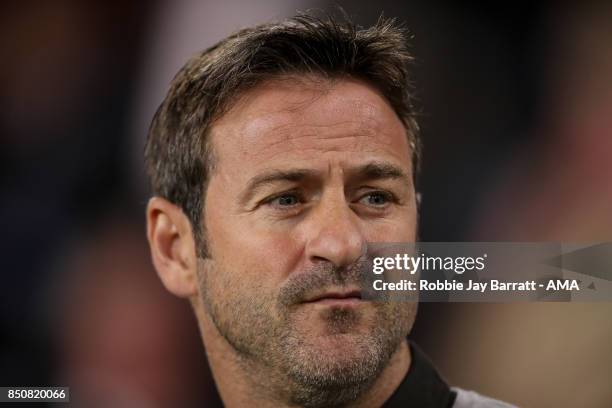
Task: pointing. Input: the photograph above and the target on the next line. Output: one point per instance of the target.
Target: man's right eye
(284, 201)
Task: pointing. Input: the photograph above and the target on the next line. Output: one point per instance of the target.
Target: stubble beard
(289, 364)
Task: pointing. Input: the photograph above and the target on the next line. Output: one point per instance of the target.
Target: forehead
(291, 120)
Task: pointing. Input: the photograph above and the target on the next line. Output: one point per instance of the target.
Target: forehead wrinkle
(362, 113)
(313, 152)
(292, 135)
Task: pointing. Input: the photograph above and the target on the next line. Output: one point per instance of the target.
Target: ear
(172, 246)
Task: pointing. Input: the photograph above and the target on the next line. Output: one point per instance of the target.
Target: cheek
(408, 230)
(401, 228)
(255, 255)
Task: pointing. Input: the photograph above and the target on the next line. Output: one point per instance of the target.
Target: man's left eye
(376, 199)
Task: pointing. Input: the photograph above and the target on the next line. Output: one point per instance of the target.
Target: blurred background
(516, 104)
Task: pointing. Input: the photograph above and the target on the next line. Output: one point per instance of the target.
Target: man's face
(307, 172)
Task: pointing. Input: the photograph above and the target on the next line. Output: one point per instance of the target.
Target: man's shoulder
(471, 399)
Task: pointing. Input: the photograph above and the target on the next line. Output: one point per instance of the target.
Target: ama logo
(562, 284)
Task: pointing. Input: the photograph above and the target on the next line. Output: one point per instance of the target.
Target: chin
(337, 360)
(339, 348)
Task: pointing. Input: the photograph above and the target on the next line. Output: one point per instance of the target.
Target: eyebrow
(272, 177)
(378, 171)
(370, 171)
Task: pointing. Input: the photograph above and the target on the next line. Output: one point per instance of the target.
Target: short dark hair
(179, 160)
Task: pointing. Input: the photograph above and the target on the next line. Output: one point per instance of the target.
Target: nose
(333, 234)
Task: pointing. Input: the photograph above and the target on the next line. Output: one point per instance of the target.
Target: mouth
(346, 298)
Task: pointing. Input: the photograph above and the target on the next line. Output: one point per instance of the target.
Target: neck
(241, 384)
